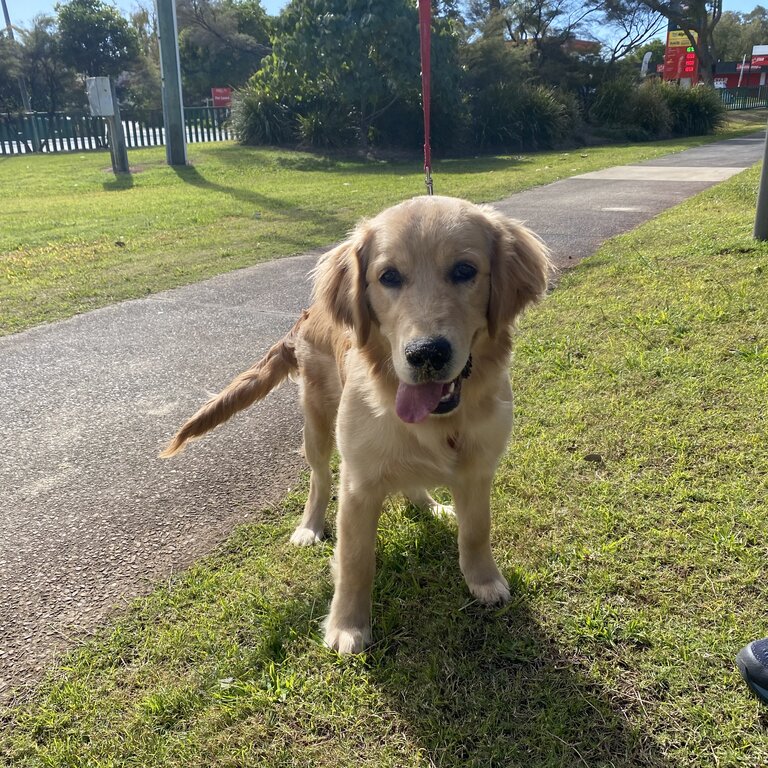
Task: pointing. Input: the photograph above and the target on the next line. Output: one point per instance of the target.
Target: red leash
(425, 22)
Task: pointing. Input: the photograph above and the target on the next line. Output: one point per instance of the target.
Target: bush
(694, 111)
(657, 109)
(612, 104)
(650, 112)
(325, 125)
(509, 116)
(258, 117)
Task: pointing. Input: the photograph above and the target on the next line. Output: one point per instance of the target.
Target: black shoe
(752, 661)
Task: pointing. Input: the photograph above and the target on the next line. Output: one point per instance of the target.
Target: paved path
(90, 518)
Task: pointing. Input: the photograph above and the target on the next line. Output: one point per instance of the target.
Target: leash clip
(428, 179)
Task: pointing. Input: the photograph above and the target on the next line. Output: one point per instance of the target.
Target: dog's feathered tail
(251, 385)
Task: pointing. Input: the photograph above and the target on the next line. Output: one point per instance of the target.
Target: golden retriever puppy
(404, 353)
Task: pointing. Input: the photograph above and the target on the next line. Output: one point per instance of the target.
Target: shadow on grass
(326, 226)
(121, 181)
(483, 687)
(190, 175)
(399, 164)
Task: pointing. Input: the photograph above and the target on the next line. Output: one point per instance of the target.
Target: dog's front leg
(471, 499)
(348, 626)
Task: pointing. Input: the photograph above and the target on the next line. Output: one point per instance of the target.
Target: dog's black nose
(431, 352)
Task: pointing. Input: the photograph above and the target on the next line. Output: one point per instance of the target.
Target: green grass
(76, 238)
(630, 519)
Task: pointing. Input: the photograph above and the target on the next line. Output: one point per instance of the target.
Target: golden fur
(402, 310)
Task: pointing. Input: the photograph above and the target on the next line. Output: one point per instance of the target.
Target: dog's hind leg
(318, 445)
(422, 499)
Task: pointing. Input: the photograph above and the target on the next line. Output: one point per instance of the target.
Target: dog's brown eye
(391, 278)
(463, 272)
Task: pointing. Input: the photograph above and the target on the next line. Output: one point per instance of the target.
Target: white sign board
(99, 93)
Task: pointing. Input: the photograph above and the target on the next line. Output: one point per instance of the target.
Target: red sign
(759, 61)
(681, 63)
(222, 97)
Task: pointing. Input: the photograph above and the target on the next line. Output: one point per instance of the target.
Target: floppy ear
(340, 287)
(520, 267)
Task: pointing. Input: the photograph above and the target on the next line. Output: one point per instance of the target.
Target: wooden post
(117, 146)
(102, 100)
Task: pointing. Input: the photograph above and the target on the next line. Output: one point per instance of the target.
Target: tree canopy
(95, 39)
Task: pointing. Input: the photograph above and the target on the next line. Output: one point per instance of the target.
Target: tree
(626, 26)
(737, 33)
(532, 21)
(353, 56)
(95, 39)
(546, 31)
(221, 42)
(139, 88)
(698, 19)
(53, 85)
(630, 64)
(10, 70)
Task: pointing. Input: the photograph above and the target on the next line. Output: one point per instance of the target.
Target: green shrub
(259, 118)
(650, 112)
(657, 109)
(694, 111)
(325, 125)
(510, 116)
(613, 101)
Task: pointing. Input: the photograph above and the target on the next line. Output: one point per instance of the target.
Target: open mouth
(414, 402)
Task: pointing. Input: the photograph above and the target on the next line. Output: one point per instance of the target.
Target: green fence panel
(71, 132)
(744, 98)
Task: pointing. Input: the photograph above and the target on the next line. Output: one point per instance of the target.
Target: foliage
(53, 85)
(10, 70)
(221, 43)
(139, 88)
(633, 25)
(350, 74)
(612, 104)
(359, 54)
(513, 117)
(651, 110)
(694, 111)
(737, 33)
(95, 39)
(658, 109)
(322, 124)
(699, 18)
(629, 67)
(259, 117)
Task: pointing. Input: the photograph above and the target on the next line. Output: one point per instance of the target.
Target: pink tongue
(414, 402)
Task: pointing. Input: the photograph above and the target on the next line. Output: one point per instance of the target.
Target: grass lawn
(630, 519)
(75, 238)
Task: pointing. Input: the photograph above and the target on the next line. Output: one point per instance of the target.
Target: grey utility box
(99, 92)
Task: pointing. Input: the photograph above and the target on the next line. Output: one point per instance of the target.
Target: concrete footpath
(90, 518)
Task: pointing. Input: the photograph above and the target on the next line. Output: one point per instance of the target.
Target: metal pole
(741, 71)
(22, 84)
(761, 216)
(27, 104)
(170, 73)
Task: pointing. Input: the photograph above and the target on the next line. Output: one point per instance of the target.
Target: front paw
(491, 592)
(346, 639)
(305, 537)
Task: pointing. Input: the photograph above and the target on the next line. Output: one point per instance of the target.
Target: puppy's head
(426, 279)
